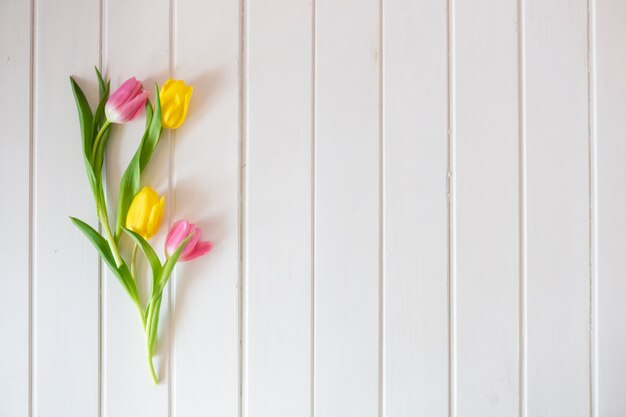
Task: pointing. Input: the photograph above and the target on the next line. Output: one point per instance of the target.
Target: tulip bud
(177, 235)
(126, 103)
(175, 96)
(145, 213)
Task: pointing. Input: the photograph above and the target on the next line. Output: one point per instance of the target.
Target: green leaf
(100, 152)
(148, 114)
(168, 267)
(152, 134)
(101, 83)
(151, 256)
(98, 241)
(85, 117)
(153, 322)
(102, 246)
(129, 187)
(131, 180)
(98, 118)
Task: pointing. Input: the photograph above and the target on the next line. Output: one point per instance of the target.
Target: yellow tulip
(145, 213)
(175, 96)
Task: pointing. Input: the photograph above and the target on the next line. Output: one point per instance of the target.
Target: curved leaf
(99, 159)
(153, 133)
(102, 246)
(151, 256)
(131, 180)
(98, 117)
(85, 117)
(129, 187)
(101, 83)
(149, 112)
(168, 267)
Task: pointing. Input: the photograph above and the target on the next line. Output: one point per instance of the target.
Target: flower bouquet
(139, 211)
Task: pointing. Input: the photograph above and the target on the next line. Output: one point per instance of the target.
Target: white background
(418, 209)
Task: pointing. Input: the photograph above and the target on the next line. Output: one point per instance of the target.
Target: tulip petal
(156, 215)
(167, 85)
(175, 96)
(200, 249)
(140, 211)
(177, 234)
(131, 109)
(126, 91)
(126, 102)
(196, 234)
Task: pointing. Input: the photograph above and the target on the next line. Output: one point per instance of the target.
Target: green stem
(149, 346)
(155, 380)
(132, 262)
(104, 221)
(98, 138)
(141, 315)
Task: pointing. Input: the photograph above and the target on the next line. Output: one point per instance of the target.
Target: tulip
(126, 103)
(194, 247)
(175, 96)
(145, 213)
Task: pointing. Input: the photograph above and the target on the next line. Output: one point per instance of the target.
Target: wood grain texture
(558, 208)
(278, 276)
(486, 180)
(415, 105)
(205, 152)
(15, 154)
(65, 265)
(347, 208)
(137, 47)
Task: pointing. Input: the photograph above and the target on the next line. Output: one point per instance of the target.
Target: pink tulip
(127, 102)
(177, 235)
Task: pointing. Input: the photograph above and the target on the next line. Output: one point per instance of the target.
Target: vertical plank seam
(313, 191)
(451, 213)
(242, 205)
(593, 273)
(381, 222)
(102, 290)
(521, 74)
(171, 367)
(31, 184)
(99, 260)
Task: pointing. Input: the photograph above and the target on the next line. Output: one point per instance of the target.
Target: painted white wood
(205, 332)
(486, 197)
(341, 185)
(415, 54)
(136, 42)
(347, 209)
(557, 160)
(278, 276)
(610, 222)
(65, 266)
(15, 41)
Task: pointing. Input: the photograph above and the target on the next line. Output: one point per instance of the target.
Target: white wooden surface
(417, 208)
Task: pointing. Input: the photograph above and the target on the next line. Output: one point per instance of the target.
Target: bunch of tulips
(139, 211)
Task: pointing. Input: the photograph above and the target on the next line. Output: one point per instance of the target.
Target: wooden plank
(416, 220)
(278, 286)
(611, 205)
(138, 47)
(205, 349)
(558, 208)
(15, 110)
(65, 272)
(487, 208)
(347, 208)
